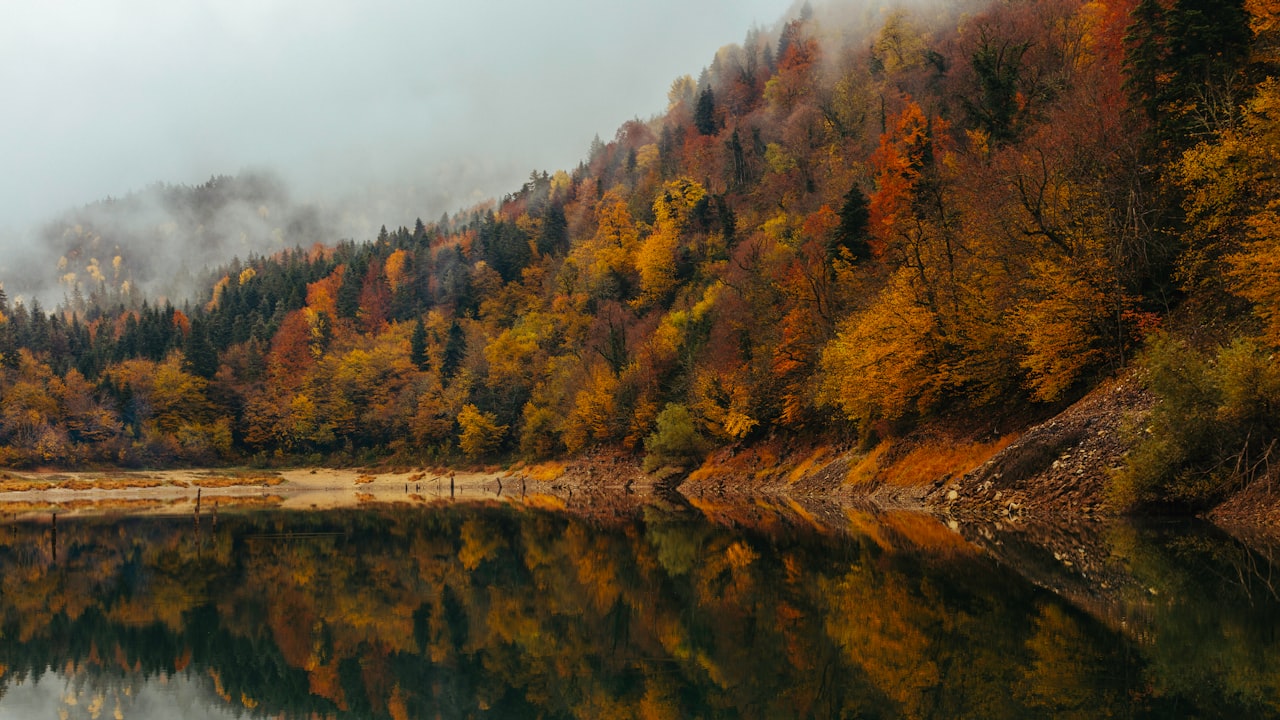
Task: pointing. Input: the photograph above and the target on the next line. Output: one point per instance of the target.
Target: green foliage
(418, 345)
(998, 65)
(704, 115)
(1215, 426)
(675, 442)
(852, 233)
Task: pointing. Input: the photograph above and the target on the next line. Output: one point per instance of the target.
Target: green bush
(1214, 428)
(675, 442)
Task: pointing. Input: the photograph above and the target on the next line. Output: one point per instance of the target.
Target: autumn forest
(850, 227)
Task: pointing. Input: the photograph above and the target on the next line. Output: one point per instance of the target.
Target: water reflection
(507, 610)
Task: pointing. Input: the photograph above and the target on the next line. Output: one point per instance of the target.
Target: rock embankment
(1057, 468)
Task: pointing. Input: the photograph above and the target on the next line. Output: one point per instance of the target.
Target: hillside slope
(867, 226)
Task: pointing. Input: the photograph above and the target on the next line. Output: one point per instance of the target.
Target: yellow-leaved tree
(880, 363)
(1255, 268)
(606, 260)
(479, 433)
(658, 255)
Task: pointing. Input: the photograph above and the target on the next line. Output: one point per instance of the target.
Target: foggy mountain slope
(375, 112)
(167, 234)
(158, 240)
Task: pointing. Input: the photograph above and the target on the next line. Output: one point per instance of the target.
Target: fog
(59, 695)
(408, 109)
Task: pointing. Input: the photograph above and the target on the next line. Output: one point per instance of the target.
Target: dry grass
(931, 461)
(63, 483)
(805, 466)
(759, 463)
(545, 472)
(867, 468)
(16, 485)
(214, 480)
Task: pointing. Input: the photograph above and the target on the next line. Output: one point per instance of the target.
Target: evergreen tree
(553, 238)
(199, 357)
(508, 247)
(455, 348)
(1208, 41)
(1207, 48)
(853, 231)
(348, 300)
(1146, 53)
(704, 115)
(998, 65)
(418, 345)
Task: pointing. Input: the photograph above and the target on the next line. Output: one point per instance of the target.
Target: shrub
(1214, 428)
(675, 441)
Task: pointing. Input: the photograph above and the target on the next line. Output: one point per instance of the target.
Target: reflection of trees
(470, 610)
(1209, 604)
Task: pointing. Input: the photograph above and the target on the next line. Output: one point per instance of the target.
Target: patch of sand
(177, 492)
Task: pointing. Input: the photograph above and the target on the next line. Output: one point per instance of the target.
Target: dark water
(509, 611)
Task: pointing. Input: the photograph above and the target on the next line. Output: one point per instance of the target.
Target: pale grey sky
(101, 97)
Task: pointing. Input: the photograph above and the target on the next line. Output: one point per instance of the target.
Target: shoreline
(1055, 471)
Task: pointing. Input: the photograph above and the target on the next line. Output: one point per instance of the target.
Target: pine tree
(553, 237)
(199, 356)
(998, 65)
(455, 347)
(1208, 45)
(855, 219)
(418, 345)
(1145, 57)
(704, 115)
(348, 300)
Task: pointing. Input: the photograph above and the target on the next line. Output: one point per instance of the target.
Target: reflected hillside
(503, 610)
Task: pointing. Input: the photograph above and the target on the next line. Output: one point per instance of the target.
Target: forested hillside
(864, 222)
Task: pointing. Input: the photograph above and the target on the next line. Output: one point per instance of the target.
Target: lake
(655, 609)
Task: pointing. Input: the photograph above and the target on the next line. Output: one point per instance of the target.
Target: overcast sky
(101, 97)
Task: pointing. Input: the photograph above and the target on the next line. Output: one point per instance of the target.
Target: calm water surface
(659, 611)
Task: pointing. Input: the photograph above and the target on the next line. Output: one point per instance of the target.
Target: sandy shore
(177, 492)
